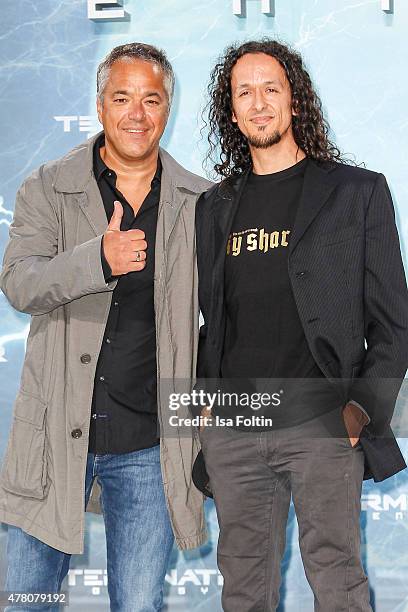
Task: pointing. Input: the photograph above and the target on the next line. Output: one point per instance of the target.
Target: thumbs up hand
(124, 251)
(116, 218)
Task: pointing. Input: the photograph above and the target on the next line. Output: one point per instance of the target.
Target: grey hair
(130, 52)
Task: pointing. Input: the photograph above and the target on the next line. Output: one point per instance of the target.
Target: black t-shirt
(264, 337)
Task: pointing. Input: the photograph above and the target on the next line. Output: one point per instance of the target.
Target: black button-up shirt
(124, 405)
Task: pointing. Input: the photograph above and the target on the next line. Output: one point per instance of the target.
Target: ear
(99, 109)
(234, 118)
(294, 108)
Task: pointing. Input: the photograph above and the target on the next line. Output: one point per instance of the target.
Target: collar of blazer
(74, 175)
(319, 182)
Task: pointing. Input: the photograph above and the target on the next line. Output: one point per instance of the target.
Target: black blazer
(348, 281)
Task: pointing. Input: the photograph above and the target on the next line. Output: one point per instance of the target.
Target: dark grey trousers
(253, 476)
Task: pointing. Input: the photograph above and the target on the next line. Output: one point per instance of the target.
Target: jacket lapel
(318, 184)
(224, 209)
(176, 184)
(170, 203)
(90, 202)
(75, 180)
(225, 206)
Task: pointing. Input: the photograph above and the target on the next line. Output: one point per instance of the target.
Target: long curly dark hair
(310, 128)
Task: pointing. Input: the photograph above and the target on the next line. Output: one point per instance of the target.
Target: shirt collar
(100, 167)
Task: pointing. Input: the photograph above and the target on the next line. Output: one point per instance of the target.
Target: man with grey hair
(102, 255)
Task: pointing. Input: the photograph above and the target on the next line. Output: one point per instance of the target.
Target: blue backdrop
(354, 50)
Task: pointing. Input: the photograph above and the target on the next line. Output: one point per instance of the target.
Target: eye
(153, 102)
(243, 93)
(272, 89)
(120, 100)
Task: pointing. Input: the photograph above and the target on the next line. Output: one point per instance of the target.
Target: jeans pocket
(24, 469)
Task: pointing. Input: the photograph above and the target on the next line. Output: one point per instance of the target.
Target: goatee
(264, 142)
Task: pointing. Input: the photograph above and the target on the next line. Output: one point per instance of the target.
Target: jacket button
(302, 273)
(85, 358)
(76, 433)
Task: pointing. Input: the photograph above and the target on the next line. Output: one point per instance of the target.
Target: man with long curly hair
(303, 292)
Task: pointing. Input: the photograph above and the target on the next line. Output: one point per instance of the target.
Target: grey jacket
(52, 270)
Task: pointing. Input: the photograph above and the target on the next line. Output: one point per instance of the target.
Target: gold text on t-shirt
(256, 240)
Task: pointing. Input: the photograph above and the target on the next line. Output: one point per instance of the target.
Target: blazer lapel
(224, 209)
(318, 184)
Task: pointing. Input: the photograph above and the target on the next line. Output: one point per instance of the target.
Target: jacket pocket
(24, 469)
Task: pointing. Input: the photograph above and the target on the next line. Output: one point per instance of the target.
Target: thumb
(116, 218)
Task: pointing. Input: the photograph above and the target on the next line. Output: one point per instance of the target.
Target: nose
(136, 111)
(259, 101)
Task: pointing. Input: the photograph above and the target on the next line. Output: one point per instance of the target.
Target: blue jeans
(139, 537)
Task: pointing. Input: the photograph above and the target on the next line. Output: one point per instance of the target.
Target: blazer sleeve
(36, 276)
(385, 313)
